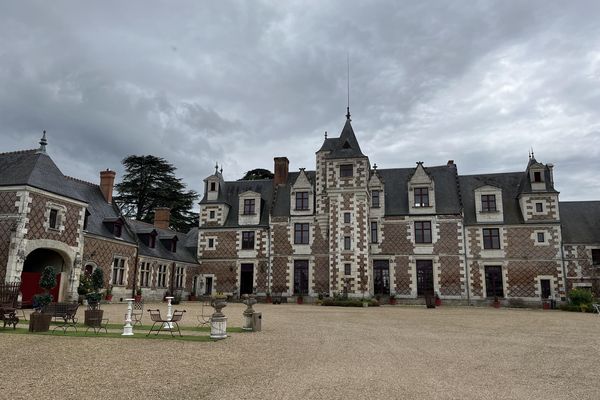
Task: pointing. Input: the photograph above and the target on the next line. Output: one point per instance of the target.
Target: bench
(65, 311)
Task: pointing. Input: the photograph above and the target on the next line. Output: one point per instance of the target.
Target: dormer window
(249, 207)
(596, 257)
(174, 245)
(152, 241)
(537, 176)
(488, 202)
(301, 201)
(539, 207)
(375, 203)
(421, 197)
(213, 186)
(346, 170)
(117, 229)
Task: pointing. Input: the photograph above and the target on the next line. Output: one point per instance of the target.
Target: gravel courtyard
(316, 352)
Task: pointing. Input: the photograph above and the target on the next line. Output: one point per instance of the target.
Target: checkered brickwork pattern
(395, 239)
(476, 285)
(225, 274)
(522, 277)
(7, 226)
(448, 242)
(450, 274)
(8, 201)
(37, 219)
(403, 276)
(225, 245)
(102, 252)
(521, 244)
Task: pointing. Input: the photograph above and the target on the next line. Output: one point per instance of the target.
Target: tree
(150, 182)
(257, 173)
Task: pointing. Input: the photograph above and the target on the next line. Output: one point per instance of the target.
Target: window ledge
(489, 212)
(248, 214)
(301, 209)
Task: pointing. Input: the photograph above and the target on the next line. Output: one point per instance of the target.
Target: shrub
(48, 279)
(579, 297)
(97, 279)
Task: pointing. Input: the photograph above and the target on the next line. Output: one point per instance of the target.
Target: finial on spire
(532, 156)
(43, 143)
(348, 81)
(325, 134)
(375, 166)
(221, 170)
(216, 167)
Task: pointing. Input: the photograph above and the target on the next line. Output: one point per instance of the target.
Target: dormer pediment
(421, 191)
(488, 203)
(302, 195)
(302, 181)
(249, 193)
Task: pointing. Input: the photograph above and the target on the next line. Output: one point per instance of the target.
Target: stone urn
(218, 320)
(249, 301)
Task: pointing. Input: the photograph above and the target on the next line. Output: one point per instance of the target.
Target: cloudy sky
(240, 82)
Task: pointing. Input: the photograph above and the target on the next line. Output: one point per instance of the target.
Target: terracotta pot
(496, 304)
(438, 302)
(393, 302)
(300, 300)
(108, 297)
(192, 297)
(269, 299)
(93, 317)
(137, 298)
(546, 305)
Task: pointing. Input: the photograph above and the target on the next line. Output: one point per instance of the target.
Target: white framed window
(145, 274)
(161, 276)
(179, 271)
(210, 243)
(118, 271)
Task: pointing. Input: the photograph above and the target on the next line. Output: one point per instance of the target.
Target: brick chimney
(107, 182)
(282, 166)
(162, 217)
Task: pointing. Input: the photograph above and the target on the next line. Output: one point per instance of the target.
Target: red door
(30, 286)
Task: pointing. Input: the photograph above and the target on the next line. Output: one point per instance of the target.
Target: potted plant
(300, 299)
(138, 295)
(40, 322)
(393, 299)
(93, 315)
(269, 299)
(84, 287)
(192, 297)
(108, 294)
(438, 301)
(496, 302)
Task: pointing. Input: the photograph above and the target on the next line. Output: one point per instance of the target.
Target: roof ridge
(493, 173)
(19, 152)
(81, 181)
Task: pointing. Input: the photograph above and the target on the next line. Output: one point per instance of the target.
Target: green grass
(115, 335)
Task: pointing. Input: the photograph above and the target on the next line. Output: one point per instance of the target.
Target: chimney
(107, 182)
(450, 163)
(162, 217)
(551, 170)
(282, 165)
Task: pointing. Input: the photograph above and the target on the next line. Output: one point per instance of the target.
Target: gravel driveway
(316, 352)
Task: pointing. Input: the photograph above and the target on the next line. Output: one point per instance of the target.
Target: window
(145, 274)
(346, 170)
(541, 237)
(302, 201)
(179, 277)
(537, 176)
(301, 233)
(211, 215)
(249, 207)
(117, 229)
(161, 276)
(248, 240)
(422, 232)
(118, 271)
(174, 245)
(213, 186)
(53, 222)
(347, 269)
(491, 238)
(374, 232)
(375, 198)
(488, 202)
(539, 207)
(211, 243)
(346, 217)
(493, 281)
(301, 277)
(595, 256)
(347, 243)
(421, 197)
(86, 220)
(151, 241)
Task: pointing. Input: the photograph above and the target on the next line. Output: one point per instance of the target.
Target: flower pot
(137, 298)
(438, 302)
(93, 317)
(39, 322)
(108, 297)
(546, 305)
(393, 301)
(496, 304)
(300, 300)
(192, 297)
(269, 299)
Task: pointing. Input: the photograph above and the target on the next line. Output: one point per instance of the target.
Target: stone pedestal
(218, 327)
(128, 329)
(249, 301)
(169, 325)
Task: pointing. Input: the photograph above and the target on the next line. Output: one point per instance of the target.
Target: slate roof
(229, 194)
(99, 210)
(34, 168)
(580, 221)
(281, 204)
(525, 185)
(346, 146)
(183, 253)
(396, 180)
(509, 183)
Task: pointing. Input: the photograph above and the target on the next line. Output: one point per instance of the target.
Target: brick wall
(37, 219)
(8, 203)
(102, 252)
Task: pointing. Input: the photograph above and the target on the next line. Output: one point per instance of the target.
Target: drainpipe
(135, 271)
(269, 271)
(466, 257)
(564, 268)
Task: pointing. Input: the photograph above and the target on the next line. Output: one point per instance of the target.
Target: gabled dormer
(115, 225)
(538, 199)
(536, 172)
(169, 242)
(488, 204)
(148, 237)
(377, 193)
(421, 191)
(249, 207)
(302, 195)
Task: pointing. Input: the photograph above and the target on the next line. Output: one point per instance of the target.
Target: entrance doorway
(546, 289)
(246, 278)
(34, 264)
(208, 286)
(493, 281)
(301, 277)
(424, 277)
(381, 277)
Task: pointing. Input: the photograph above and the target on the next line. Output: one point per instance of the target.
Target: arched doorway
(34, 264)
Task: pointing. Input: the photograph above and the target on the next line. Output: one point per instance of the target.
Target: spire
(348, 104)
(43, 143)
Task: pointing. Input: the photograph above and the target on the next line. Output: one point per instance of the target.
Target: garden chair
(157, 319)
(205, 314)
(137, 313)
(9, 293)
(68, 312)
(596, 308)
